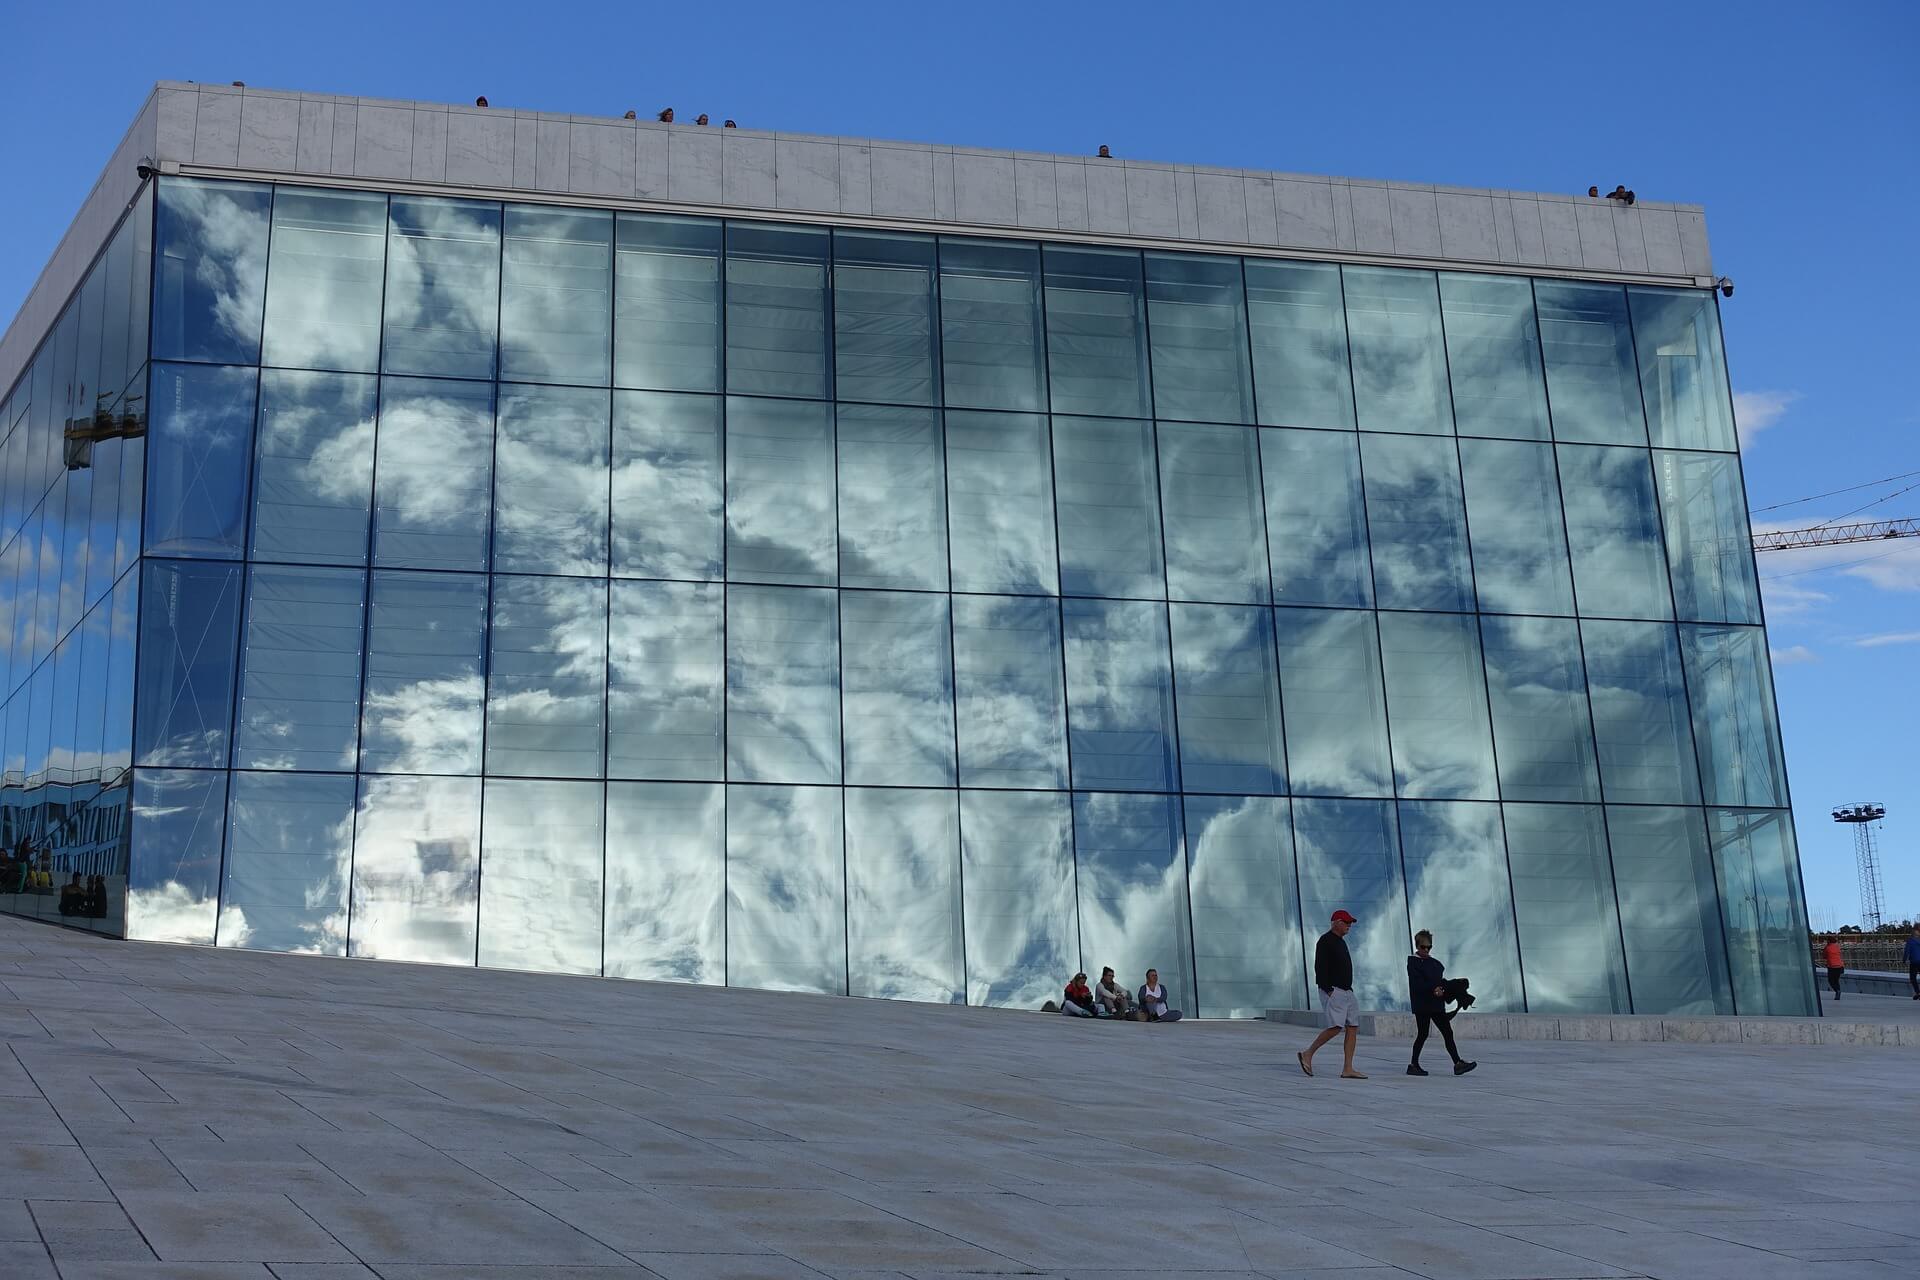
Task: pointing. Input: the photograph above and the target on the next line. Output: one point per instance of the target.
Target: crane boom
(1834, 535)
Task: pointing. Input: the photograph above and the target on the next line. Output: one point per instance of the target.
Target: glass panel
(65, 705)
(1012, 704)
(550, 481)
(1517, 529)
(29, 644)
(665, 701)
(883, 318)
(443, 287)
(541, 861)
(556, 285)
(202, 444)
(1399, 358)
(1493, 356)
(1316, 518)
(777, 330)
(786, 889)
(1734, 725)
(133, 467)
(140, 301)
(300, 669)
(188, 626)
(1336, 709)
(426, 684)
(783, 685)
(1215, 534)
(1683, 370)
(77, 516)
(1640, 717)
(173, 864)
(211, 277)
(1120, 695)
(1563, 899)
(898, 689)
(903, 895)
(666, 882)
(1619, 568)
(1017, 880)
(1228, 694)
(1246, 916)
(1542, 733)
(433, 476)
(95, 641)
(1197, 315)
(666, 302)
(1437, 705)
(117, 267)
(1417, 523)
(1000, 503)
(39, 691)
(1109, 510)
(313, 477)
(324, 278)
(116, 733)
(893, 498)
(1709, 542)
(1457, 888)
(547, 677)
(1299, 325)
(667, 486)
(416, 870)
(1096, 332)
(1766, 920)
(289, 854)
(780, 492)
(990, 324)
(1349, 854)
(53, 537)
(1669, 911)
(89, 396)
(1592, 382)
(1131, 868)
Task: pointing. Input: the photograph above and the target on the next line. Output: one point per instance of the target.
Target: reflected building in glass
(458, 536)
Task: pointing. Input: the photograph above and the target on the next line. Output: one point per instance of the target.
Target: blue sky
(1795, 126)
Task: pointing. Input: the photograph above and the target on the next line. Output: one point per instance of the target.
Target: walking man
(1913, 961)
(1333, 974)
(1836, 964)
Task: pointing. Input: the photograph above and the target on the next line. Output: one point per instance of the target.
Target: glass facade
(909, 616)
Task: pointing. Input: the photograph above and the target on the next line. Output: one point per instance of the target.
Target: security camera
(143, 169)
(1725, 285)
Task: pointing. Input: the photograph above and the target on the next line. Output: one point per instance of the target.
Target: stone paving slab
(184, 1113)
(1892, 1022)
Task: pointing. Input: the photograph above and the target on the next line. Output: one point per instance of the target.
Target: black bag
(1457, 993)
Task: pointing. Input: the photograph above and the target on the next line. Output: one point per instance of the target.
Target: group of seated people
(1111, 1000)
(84, 897)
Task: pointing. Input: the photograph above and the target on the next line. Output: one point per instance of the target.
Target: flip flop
(1351, 1075)
(1304, 1065)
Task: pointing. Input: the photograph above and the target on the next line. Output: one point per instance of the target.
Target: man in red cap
(1333, 974)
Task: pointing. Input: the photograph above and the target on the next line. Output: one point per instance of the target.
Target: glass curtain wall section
(914, 616)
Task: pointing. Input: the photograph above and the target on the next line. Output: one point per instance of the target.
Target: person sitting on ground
(1113, 1000)
(73, 896)
(1077, 1000)
(1153, 1000)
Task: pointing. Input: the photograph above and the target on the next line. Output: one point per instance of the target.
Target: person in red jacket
(1077, 1000)
(1836, 964)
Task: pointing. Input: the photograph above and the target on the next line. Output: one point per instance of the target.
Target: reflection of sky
(1000, 503)
(555, 295)
(1109, 512)
(540, 869)
(178, 819)
(289, 850)
(1246, 923)
(1209, 481)
(1619, 564)
(1416, 522)
(1513, 511)
(416, 869)
(1229, 695)
(1120, 691)
(1335, 708)
(300, 669)
(780, 492)
(547, 677)
(1299, 330)
(550, 475)
(893, 517)
(1766, 920)
(1735, 727)
(314, 474)
(424, 689)
(783, 685)
(217, 234)
(666, 485)
(786, 889)
(1437, 705)
(1563, 897)
(1132, 874)
(1023, 939)
(1012, 712)
(1541, 729)
(1640, 712)
(1350, 861)
(443, 287)
(898, 696)
(903, 894)
(666, 882)
(1399, 370)
(324, 280)
(434, 473)
(665, 701)
(1669, 910)
(1455, 859)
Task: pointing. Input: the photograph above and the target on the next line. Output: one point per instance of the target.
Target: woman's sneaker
(1415, 1069)
(1461, 1068)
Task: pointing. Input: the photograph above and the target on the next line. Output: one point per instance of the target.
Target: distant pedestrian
(1913, 961)
(1333, 974)
(1427, 990)
(1836, 964)
(1153, 1000)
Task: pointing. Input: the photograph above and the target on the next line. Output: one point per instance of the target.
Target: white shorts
(1341, 1008)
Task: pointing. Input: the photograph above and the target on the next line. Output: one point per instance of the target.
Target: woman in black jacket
(1426, 985)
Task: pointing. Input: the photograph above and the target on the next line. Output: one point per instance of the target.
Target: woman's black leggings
(1424, 1021)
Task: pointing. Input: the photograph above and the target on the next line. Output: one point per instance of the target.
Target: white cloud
(1793, 654)
(1755, 411)
(1891, 637)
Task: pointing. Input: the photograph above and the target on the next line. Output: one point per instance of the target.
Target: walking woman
(1427, 986)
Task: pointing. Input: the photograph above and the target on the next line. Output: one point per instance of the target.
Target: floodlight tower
(1865, 821)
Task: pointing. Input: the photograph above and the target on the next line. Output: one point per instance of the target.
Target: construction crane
(1833, 535)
